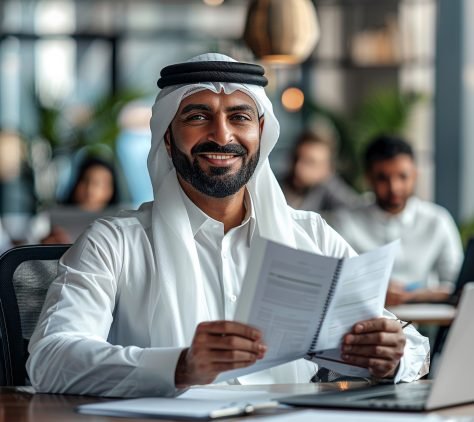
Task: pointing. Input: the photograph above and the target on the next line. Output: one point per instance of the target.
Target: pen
(407, 324)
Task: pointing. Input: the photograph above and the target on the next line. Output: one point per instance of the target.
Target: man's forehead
(400, 162)
(207, 96)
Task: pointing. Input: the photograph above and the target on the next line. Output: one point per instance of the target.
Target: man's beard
(219, 183)
(393, 207)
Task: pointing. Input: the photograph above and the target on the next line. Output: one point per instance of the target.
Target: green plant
(383, 111)
(73, 128)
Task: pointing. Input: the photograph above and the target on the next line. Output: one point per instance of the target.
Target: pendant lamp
(281, 31)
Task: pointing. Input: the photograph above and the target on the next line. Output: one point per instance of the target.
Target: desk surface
(21, 404)
(425, 313)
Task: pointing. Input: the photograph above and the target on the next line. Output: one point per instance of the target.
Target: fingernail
(346, 356)
(358, 328)
(256, 334)
(262, 348)
(347, 348)
(349, 339)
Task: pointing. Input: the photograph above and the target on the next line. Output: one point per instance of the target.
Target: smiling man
(144, 302)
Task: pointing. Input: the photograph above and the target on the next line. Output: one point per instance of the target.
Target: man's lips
(216, 159)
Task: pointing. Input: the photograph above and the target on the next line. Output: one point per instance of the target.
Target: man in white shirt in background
(431, 253)
(143, 304)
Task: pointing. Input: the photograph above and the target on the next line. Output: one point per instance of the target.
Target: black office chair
(25, 275)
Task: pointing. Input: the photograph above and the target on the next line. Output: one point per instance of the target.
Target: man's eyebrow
(191, 107)
(242, 107)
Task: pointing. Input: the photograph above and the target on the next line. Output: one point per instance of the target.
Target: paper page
(360, 293)
(331, 359)
(284, 294)
(228, 395)
(260, 365)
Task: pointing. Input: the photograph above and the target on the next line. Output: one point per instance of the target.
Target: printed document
(304, 302)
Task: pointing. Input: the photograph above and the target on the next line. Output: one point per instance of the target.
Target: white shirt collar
(198, 218)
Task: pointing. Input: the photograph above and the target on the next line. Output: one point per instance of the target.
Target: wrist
(391, 375)
(388, 378)
(181, 373)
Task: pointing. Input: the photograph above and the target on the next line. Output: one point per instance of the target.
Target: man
(431, 251)
(144, 303)
(311, 183)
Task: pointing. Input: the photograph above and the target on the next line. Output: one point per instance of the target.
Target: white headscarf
(179, 287)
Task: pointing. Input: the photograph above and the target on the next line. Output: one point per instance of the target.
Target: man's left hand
(376, 344)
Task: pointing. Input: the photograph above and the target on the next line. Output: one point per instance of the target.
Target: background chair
(25, 275)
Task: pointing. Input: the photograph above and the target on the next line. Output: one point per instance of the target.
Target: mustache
(212, 147)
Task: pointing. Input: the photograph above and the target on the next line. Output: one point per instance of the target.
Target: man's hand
(218, 346)
(434, 294)
(376, 344)
(396, 294)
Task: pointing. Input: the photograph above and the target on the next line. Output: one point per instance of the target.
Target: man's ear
(167, 139)
(261, 123)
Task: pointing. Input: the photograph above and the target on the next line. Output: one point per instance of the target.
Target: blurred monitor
(75, 220)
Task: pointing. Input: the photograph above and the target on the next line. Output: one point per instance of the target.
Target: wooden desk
(22, 405)
(425, 313)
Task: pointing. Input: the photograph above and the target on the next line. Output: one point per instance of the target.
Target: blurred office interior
(78, 77)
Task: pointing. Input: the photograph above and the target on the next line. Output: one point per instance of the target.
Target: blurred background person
(95, 187)
(94, 192)
(431, 250)
(311, 183)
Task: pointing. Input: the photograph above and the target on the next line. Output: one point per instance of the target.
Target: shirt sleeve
(415, 362)
(69, 351)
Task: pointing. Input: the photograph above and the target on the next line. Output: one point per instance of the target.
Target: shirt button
(233, 298)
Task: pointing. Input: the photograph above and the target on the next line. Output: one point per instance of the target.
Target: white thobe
(431, 249)
(96, 333)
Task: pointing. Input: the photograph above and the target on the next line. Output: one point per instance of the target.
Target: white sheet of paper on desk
(356, 416)
(226, 395)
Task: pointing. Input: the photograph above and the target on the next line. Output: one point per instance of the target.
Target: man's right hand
(218, 346)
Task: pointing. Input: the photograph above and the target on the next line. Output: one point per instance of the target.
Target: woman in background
(96, 186)
(94, 190)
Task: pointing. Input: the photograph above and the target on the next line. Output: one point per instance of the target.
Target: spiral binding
(335, 278)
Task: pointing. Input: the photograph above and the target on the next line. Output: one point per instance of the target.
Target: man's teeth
(218, 157)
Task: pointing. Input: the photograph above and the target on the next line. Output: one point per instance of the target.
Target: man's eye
(196, 117)
(240, 117)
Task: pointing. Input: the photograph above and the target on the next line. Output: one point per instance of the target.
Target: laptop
(452, 384)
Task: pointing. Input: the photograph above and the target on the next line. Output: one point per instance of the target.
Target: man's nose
(394, 185)
(221, 132)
